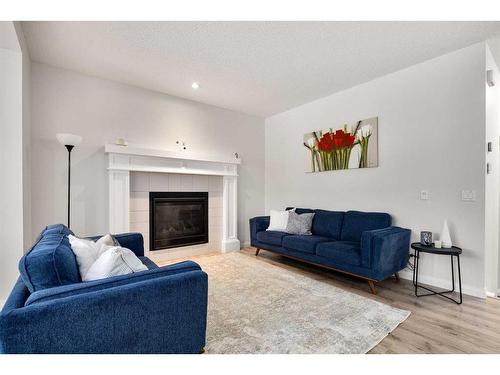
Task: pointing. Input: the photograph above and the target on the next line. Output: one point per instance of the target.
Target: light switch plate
(469, 195)
(424, 195)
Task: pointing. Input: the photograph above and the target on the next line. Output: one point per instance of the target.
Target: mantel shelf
(137, 151)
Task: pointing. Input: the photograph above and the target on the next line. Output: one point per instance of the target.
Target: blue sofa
(50, 310)
(363, 244)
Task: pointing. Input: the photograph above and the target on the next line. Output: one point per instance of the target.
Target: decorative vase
(445, 235)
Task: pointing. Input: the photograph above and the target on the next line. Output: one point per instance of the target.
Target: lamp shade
(67, 139)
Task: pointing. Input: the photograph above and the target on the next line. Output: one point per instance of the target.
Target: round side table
(430, 249)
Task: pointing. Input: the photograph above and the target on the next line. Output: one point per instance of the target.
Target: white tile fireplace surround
(134, 172)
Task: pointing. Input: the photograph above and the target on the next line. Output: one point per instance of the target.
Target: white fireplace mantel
(125, 159)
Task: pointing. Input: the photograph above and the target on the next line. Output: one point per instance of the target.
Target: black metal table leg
(459, 279)
(433, 292)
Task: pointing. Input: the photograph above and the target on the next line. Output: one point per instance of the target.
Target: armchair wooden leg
(257, 252)
(396, 275)
(372, 287)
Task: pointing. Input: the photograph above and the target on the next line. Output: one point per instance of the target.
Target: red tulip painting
(347, 147)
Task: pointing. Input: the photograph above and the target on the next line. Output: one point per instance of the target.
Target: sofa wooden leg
(371, 284)
(257, 252)
(396, 275)
(202, 350)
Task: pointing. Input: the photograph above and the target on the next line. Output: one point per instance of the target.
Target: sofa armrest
(157, 315)
(258, 224)
(110, 282)
(132, 241)
(386, 250)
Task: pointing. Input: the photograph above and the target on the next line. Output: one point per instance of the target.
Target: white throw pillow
(279, 220)
(88, 251)
(114, 261)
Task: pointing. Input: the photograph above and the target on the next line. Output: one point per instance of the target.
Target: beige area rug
(255, 307)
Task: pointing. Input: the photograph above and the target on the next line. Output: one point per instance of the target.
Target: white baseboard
(245, 244)
(442, 283)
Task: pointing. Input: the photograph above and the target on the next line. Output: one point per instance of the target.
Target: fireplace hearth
(177, 219)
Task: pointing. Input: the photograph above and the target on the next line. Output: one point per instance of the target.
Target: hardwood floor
(435, 324)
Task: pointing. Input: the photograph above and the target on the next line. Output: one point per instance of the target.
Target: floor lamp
(69, 141)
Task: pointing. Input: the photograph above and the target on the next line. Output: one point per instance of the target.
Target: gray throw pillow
(299, 224)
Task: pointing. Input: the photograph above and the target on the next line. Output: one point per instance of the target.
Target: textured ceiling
(260, 68)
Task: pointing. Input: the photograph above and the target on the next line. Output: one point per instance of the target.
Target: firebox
(177, 219)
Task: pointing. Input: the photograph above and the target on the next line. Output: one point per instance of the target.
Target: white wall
(431, 136)
(492, 180)
(101, 111)
(11, 172)
(26, 61)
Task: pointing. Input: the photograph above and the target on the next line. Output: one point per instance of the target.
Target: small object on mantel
(181, 144)
(438, 244)
(121, 142)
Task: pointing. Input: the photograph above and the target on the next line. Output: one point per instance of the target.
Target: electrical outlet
(424, 195)
(469, 195)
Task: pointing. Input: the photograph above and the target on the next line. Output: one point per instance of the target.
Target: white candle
(438, 244)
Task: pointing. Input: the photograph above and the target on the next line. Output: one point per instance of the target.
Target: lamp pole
(69, 148)
(69, 141)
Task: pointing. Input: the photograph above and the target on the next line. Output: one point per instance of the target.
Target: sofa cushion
(304, 244)
(271, 237)
(355, 223)
(346, 252)
(328, 223)
(50, 262)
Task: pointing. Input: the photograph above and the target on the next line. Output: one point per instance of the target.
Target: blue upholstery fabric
(347, 252)
(258, 224)
(110, 282)
(148, 263)
(50, 262)
(162, 310)
(355, 223)
(327, 223)
(386, 249)
(271, 237)
(159, 315)
(376, 254)
(306, 244)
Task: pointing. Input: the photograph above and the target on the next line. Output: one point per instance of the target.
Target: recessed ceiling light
(195, 85)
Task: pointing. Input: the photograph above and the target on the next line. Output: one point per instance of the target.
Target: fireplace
(177, 219)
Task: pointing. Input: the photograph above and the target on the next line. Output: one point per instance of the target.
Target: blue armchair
(162, 310)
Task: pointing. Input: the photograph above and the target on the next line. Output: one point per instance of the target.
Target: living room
(215, 179)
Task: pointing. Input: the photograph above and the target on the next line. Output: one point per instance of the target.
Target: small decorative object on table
(452, 252)
(445, 235)
(426, 238)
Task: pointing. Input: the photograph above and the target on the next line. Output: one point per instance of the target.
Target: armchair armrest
(132, 241)
(386, 250)
(164, 314)
(258, 224)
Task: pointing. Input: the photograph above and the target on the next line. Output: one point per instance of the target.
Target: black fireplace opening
(177, 219)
